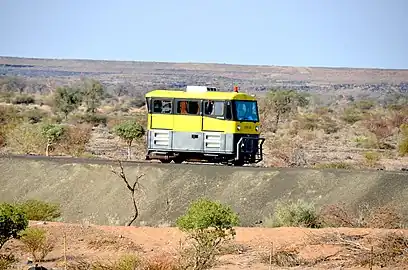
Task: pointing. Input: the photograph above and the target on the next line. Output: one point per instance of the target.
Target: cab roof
(199, 95)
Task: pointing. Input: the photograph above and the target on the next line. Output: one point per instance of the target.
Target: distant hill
(255, 79)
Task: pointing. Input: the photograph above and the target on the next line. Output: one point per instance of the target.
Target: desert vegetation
(87, 118)
(207, 236)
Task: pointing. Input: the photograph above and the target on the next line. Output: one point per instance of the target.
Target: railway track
(113, 162)
(65, 159)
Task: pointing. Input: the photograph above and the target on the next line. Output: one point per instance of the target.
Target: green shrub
(39, 210)
(294, 214)
(12, 221)
(36, 242)
(208, 224)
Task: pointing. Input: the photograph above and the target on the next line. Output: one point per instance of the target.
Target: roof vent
(200, 89)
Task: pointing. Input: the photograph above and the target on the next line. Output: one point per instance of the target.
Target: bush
(137, 102)
(310, 122)
(403, 147)
(161, 262)
(6, 97)
(386, 217)
(94, 119)
(208, 224)
(379, 126)
(403, 144)
(329, 126)
(34, 116)
(39, 210)
(364, 105)
(23, 99)
(26, 139)
(12, 220)
(124, 262)
(366, 142)
(7, 261)
(294, 214)
(371, 158)
(383, 217)
(351, 116)
(36, 242)
(74, 140)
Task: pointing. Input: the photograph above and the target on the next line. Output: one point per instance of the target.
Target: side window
(209, 107)
(214, 108)
(228, 114)
(162, 106)
(188, 107)
(219, 108)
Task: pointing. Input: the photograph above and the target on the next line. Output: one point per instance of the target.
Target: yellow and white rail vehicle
(203, 124)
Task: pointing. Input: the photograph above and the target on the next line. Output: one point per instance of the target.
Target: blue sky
(359, 33)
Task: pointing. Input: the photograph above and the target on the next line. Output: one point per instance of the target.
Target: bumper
(250, 149)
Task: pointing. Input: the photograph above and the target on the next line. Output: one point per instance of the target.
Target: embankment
(91, 193)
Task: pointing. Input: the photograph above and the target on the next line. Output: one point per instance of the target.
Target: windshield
(246, 111)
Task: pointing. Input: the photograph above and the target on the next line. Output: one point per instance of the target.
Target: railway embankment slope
(91, 193)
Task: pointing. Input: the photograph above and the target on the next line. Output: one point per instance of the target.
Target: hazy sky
(353, 33)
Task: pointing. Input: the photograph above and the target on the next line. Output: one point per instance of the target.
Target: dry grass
(384, 217)
(284, 257)
(389, 249)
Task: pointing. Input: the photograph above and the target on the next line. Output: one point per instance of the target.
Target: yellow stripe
(192, 123)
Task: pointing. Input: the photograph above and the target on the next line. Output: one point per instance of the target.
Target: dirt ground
(249, 250)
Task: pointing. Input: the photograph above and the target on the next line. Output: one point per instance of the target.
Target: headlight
(238, 127)
(257, 128)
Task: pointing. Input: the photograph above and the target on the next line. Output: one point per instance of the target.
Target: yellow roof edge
(183, 94)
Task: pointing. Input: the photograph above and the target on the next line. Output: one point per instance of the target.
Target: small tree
(36, 242)
(208, 224)
(53, 133)
(284, 102)
(12, 221)
(66, 100)
(129, 131)
(93, 93)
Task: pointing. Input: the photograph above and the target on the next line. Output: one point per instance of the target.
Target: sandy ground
(245, 252)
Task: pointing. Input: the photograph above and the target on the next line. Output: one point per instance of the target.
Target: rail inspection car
(203, 124)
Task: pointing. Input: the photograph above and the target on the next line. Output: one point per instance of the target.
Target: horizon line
(195, 63)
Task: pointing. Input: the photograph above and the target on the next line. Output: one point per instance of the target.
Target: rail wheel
(178, 160)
